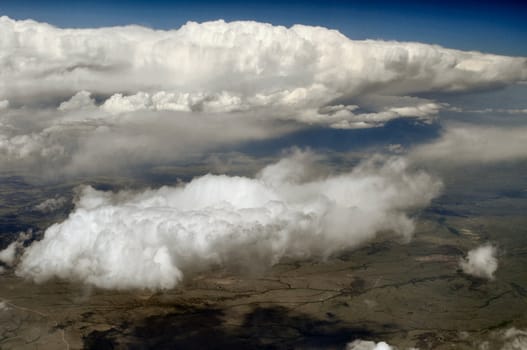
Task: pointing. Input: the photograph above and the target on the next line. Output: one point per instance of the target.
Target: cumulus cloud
(152, 239)
(247, 62)
(81, 100)
(481, 262)
(371, 345)
(134, 95)
(7, 256)
(462, 144)
(368, 345)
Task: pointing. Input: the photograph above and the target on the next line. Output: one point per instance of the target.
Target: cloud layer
(229, 66)
(132, 95)
(463, 144)
(152, 239)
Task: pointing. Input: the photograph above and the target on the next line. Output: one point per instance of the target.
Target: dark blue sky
(498, 27)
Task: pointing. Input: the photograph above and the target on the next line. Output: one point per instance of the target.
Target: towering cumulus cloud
(128, 95)
(154, 238)
(229, 66)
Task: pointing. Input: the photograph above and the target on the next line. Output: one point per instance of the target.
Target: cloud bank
(462, 144)
(229, 66)
(133, 95)
(152, 239)
(481, 262)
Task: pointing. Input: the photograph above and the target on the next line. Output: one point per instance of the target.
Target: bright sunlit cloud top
(69, 96)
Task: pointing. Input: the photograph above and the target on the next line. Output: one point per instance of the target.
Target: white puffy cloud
(462, 144)
(481, 262)
(64, 91)
(152, 239)
(368, 345)
(371, 345)
(513, 111)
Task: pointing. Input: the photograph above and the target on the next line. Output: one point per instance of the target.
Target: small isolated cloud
(371, 345)
(481, 262)
(368, 345)
(152, 239)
